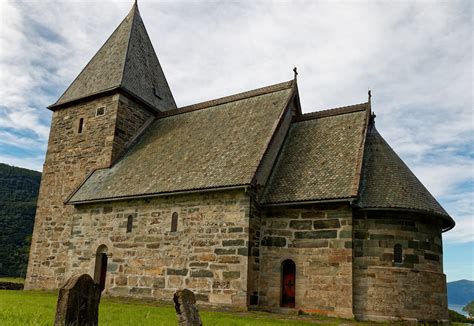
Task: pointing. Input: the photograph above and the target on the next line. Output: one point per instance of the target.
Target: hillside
(460, 292)
(18, 193)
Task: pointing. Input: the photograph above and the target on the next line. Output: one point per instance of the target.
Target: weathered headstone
(186, 310)
(78, 302)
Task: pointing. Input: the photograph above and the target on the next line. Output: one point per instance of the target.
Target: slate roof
(214, 144)
(320, 159)
(126, 61)
(388, 183)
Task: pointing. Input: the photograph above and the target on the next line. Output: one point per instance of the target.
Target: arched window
(100, 271)
(288, 282)
(129, 223)
(398, 254)
(81, 125)
(174, 222)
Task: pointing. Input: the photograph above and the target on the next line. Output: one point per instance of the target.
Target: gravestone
(78, 302)
(186, 310)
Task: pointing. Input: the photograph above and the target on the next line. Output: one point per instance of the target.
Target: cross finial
(295, 70)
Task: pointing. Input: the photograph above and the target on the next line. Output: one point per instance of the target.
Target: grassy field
(13, 280)
(38, 308)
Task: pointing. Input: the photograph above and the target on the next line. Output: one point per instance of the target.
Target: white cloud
(32, 163)
(24, 119)
(12, 139)
(461, 205)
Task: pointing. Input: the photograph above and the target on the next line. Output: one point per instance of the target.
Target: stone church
(244, 199)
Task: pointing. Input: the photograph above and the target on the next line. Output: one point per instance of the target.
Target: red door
(288, 284)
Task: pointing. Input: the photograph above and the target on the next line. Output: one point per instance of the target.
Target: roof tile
(318, 159)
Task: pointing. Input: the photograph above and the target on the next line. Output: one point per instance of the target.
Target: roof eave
(158, 194)
(110, 91)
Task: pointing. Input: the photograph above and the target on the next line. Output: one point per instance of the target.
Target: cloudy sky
(416, 57)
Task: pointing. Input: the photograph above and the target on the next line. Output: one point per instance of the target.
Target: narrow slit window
(398, 254)
(174, 222)
(129, 223)
(81, 125)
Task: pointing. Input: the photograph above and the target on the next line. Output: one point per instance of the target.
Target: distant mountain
(18, 193)
(460, 292)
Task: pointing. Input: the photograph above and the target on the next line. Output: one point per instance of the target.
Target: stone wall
(413, 289)
(319, 240)
(129, 119)
(70, 157)
(207, 254)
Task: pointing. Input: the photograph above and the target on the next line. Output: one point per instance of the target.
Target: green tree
(18, 193)
(457, 317)
(469, 308)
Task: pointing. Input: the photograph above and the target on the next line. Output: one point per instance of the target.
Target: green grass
(12, 279)
(38, 308)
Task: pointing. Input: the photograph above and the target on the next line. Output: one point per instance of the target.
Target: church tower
(114, 98)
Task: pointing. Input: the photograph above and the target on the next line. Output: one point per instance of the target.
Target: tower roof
(389, 184)
(126, 61)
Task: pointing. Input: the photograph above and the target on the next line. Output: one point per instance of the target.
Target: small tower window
(129, 223)
(174, 222)
(398, 254)
(100, 111)
(81, 125)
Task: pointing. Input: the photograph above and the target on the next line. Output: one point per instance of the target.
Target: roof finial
(295, 70)
(370, 95)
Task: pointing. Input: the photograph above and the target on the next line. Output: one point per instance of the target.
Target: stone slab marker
(186, 310)
(78, 302)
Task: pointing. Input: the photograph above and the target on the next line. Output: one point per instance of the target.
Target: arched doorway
(100, 271)
(288, 281)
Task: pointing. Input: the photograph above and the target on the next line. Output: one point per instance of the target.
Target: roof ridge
(135, 12)
(356, 185)
(332, 112)
(227, 99)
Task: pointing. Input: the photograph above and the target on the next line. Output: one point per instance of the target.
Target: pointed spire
(128, 62)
